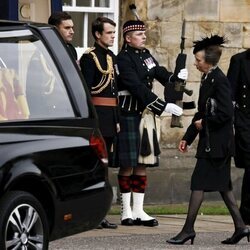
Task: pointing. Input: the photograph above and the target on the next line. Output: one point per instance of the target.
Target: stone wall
(170, 182)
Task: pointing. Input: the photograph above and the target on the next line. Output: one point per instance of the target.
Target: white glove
(173, 109)
(183, 74)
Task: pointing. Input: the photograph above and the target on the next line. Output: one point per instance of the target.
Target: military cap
(133, 25)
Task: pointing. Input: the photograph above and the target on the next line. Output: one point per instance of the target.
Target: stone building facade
(170, 182)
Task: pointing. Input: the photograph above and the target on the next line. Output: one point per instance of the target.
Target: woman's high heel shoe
(177, 241)
(237, 236)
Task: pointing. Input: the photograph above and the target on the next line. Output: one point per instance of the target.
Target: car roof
(4, 23)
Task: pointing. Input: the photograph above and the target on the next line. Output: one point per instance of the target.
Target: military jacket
(239, 77)
(137, 70)
(96, 81)
(220, 125)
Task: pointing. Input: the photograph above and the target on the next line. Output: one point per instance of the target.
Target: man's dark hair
(57, 17)
(98, 25)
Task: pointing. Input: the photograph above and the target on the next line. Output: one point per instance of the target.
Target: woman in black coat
(214, 124)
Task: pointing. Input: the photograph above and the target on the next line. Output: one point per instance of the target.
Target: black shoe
(146, 223)
(177, 241)
(127, 222)
(106, 224)
(237, 236)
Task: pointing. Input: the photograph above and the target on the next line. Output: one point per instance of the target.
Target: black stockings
(194, 206)
(195, 201)
(231, 204)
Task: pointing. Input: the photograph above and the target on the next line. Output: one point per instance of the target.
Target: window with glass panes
(83, 12)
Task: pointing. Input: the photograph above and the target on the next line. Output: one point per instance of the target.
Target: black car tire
(23, 222)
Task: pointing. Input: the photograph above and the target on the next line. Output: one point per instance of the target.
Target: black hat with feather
(214, 40)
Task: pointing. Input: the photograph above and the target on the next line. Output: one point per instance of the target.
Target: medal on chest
(149, 63)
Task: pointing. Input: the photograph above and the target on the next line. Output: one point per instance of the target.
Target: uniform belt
(104, 101)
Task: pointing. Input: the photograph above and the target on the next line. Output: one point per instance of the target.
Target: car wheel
(23, 222)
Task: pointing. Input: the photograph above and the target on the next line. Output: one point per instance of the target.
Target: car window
(30, 84)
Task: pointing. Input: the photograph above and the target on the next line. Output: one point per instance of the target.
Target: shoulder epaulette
(88, 50)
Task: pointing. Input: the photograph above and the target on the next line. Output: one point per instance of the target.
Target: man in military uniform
(137, 70)
(64, 24)
(239, 76)
(98, 65)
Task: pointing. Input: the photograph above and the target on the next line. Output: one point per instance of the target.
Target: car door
(45, 109)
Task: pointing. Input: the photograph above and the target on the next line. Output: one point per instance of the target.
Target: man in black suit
(64, 24)
(239, 77)
(98, 65)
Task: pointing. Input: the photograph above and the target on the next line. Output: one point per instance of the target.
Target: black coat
(137, 70)
(217, 86)
(108, 116)
(239, 77)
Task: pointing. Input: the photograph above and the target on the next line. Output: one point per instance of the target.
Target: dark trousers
(109, 141)
(245, 197)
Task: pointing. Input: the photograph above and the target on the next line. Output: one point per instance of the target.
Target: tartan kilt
(129, 142)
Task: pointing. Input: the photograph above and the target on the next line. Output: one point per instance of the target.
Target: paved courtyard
(210, 231)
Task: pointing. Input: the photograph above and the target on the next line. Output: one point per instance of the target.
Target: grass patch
(207, 208)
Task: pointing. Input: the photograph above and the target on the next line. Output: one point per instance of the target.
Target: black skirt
(212, 175)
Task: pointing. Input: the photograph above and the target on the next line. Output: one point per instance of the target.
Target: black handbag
(211, 107)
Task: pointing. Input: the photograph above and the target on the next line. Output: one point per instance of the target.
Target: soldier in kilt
(138, 145)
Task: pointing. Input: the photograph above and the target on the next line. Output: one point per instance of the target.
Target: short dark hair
(97, 25)
(57, 17)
